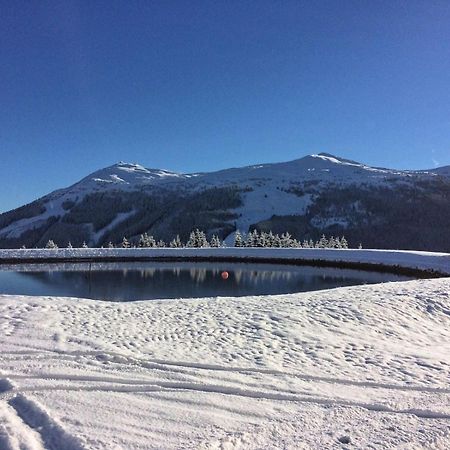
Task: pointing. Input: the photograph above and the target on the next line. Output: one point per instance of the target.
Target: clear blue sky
(205, 85)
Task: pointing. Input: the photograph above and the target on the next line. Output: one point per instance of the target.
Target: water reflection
(139, 281)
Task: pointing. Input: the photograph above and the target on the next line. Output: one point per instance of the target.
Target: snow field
(358, 367)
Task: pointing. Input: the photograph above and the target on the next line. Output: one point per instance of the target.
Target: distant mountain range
(317, 194)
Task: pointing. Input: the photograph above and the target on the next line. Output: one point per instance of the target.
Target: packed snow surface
(359, 367)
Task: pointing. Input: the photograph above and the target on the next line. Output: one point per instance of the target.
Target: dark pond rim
(364, 266)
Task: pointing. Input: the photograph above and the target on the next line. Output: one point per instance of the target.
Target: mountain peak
(336, 159)
(128, 166)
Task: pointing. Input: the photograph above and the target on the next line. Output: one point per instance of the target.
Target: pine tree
(198, 239)
(147, 241)
(250, 241)
(270, 238)
(323, 242)
(143, 240)
(277, 241)
(161, 244)
(305, 243)
(343, 242)
(51, 245)
(84, 245)
(215, 241)
(238, 239)
(69, 245)
(192, 241)
(360, 246)
(110, 245)
(262, 240)
(286, 240)
(125, 243)
(256, 238)
(201, 238)
(176, 243)
(332, 242)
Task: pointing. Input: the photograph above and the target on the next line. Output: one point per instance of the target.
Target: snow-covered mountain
(308, 196)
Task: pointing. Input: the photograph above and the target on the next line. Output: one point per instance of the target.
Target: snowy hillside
(307, 197)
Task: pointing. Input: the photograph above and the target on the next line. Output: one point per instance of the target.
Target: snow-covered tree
(161, 244)
(110, 244)
(286, 240)
(84, 245)
(176, 243)
(277, 241)
(51, 245)
(261, 241)
(360, 246)
(238, 239)
(192, 241)
(215, 241)
(252, 239)
(322, 243)
(69, 245)
(201, 237)
(344, 243)
(249, 240)
(147, 241)
(270, 239)
(143, 240)
(197, 238)
(125, 243)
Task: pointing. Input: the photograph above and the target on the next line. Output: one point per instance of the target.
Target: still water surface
(142, 281)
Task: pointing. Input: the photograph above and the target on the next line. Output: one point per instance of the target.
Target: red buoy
(224, 275)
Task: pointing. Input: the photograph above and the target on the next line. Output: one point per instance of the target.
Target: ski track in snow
(358, 367)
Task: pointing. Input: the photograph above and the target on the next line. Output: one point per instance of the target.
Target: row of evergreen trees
(198, 239)
(263, 239)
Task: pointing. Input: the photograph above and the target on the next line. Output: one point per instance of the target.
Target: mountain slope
(309, 196)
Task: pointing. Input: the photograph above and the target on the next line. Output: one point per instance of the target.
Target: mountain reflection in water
(147, 281)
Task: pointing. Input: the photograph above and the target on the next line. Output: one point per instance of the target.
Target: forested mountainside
(379, 207)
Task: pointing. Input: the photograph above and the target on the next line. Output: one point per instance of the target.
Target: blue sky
(205, 85)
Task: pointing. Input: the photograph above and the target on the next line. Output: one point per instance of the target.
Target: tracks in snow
(135, 385)
(187, 368)
(26, 425)
(52, 433)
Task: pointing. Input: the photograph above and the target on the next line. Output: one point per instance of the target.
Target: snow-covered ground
(367, 365)
(438, 262)
(360, 367)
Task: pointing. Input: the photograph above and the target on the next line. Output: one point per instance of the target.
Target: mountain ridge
(314, 194)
